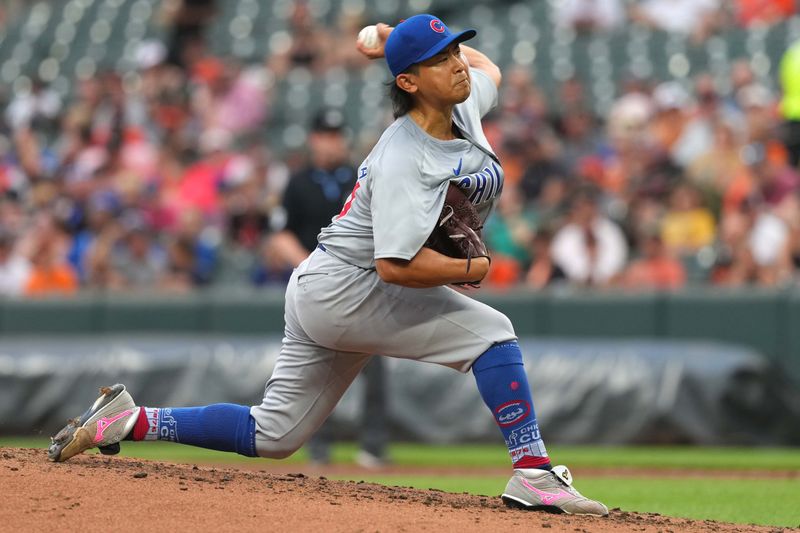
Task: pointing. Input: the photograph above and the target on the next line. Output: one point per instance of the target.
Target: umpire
(313, 196)
(316, 192)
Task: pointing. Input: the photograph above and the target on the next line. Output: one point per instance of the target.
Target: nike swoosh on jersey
(457, 171)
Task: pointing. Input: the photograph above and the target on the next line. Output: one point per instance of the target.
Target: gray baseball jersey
(339, 311)
(403, 182)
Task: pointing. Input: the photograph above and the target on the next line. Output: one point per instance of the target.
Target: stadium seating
(61, 41)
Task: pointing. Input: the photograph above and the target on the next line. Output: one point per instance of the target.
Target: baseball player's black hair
(402, 102)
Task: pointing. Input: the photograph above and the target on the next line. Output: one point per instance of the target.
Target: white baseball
(368, 37)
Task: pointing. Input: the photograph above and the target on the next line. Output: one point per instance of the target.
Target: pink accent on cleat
(547, 497)
(104, 422)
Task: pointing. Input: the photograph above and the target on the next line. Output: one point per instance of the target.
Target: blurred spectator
(628, 157)
(188, 20)
(540, 156)
(713, 170)
(771, 249)
(508, 234)
(228, 97)
(544, 271)
(677, 133)
(510, 230)
(590, 15)
(14, 268)
(137, 260)
(775, 180)
(656, 268)
(760, 113)
(733, 263)
(348, 24)
(580, 137)
(180, 265)
(270, 269)
(688, 225)
(99, 273)
(317, 192)
(766, 176)
(552, 205)
(196, 245)
(50, 274)
(757, 246)
(698, 18)
(12, 178)
(201, 184)
(39, 108)
(309, 45)
(100, 210)
(521, 117)
(590, 248)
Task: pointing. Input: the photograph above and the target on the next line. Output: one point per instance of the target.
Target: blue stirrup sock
(223, 426)
(503, 385)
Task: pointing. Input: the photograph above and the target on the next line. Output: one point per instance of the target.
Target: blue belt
(322, 247)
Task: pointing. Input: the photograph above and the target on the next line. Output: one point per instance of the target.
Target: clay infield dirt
(96, 493)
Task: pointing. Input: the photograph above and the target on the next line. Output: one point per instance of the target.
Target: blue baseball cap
(419, 38)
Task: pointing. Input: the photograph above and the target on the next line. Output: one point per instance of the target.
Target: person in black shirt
(317, 192)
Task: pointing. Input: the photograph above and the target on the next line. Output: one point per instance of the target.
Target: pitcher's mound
(94, 493)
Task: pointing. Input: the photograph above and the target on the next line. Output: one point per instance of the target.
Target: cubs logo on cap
(437, 26)
(419, 38)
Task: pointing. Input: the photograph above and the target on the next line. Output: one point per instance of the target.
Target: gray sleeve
(483, 96)
(405, 206)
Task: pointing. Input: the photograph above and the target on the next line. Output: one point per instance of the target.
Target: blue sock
(503, 385)
(223, 426)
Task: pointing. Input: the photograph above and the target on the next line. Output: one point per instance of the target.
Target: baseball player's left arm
(429, 268)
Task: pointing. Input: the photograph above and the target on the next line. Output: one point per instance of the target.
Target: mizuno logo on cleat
(105, 422)
(548, 498)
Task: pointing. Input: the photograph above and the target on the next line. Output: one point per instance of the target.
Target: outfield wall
(766, 321)
(589, 391)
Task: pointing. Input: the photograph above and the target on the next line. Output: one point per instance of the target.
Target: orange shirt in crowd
(656, 273)
(504, 272)
(60, 279)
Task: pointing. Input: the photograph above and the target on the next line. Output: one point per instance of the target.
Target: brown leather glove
(458, 231)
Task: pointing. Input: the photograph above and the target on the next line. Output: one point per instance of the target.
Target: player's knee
(275, 453)
(277, 449)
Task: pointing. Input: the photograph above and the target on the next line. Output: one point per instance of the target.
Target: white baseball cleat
(549, 490)
(108, 421)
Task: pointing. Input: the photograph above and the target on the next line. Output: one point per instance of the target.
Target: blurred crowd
(161, 180)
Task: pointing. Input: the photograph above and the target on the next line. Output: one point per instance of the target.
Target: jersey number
(349, 201)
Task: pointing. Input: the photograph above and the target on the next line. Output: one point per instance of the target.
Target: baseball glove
(458, 231)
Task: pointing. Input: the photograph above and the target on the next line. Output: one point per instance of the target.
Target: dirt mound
(93, 492)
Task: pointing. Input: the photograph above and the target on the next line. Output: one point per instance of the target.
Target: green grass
(489, 455)
(760, 501)
(751, 501)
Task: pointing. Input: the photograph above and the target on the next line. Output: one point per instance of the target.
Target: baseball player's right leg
(307, 382)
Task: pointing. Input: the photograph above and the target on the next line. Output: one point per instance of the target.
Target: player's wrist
(477, 268)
